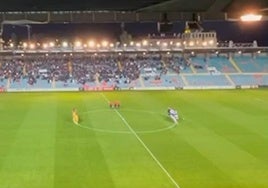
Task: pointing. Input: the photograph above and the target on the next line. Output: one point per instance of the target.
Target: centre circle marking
(125, 132)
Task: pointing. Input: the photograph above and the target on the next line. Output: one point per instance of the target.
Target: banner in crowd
(2, 89)
(97, 88)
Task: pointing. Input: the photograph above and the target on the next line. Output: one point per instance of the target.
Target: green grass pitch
(221, 143)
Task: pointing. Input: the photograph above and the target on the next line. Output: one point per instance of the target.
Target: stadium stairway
(235, 65)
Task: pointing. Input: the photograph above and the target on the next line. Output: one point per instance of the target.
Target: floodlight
(104, 43)
(32, 46)
(165, 44)
(205, 43)
(45, 45)
(211, 42)
(251, 17)
(51, 44)
(191, 43)
(138, 44)
(65, 44)
(77, 44)
(91, 44)
(178, 44)
(25, 45)
(145, 43)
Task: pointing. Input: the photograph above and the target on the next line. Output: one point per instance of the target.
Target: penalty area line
(144, 145)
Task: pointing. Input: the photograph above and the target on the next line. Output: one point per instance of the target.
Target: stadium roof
(131, 5)
(207, 9)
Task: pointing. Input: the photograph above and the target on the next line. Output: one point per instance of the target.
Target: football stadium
(134, 94)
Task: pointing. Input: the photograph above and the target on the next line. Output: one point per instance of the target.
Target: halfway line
(143, 144)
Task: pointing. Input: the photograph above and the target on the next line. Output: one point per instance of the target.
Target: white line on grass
(144, 145)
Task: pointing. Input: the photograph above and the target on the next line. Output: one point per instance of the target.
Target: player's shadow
(166, 118)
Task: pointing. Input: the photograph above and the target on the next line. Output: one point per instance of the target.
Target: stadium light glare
(259, 52)
(104, 43)
(145, 43)
(178, 44)
(211, 42)
(205, 43)
(165, 44)
(45, 45)
(251, 17)
(11, 45)
(131, 43)
(191, 43)
(138, 44)
(77, 44)
(25, 45)
(32, 46)
(51, 44)
(158, 43)
(64, 44)
(111, 45)
(91, 44)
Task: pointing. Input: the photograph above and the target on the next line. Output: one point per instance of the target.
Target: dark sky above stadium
(133, 5)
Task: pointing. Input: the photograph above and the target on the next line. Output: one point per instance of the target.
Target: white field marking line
(144, 145)
(104, 131)
(126, 132)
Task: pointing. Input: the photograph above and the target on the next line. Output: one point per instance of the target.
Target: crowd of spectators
(84, 68)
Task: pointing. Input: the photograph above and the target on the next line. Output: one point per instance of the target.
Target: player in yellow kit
(75, 116)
